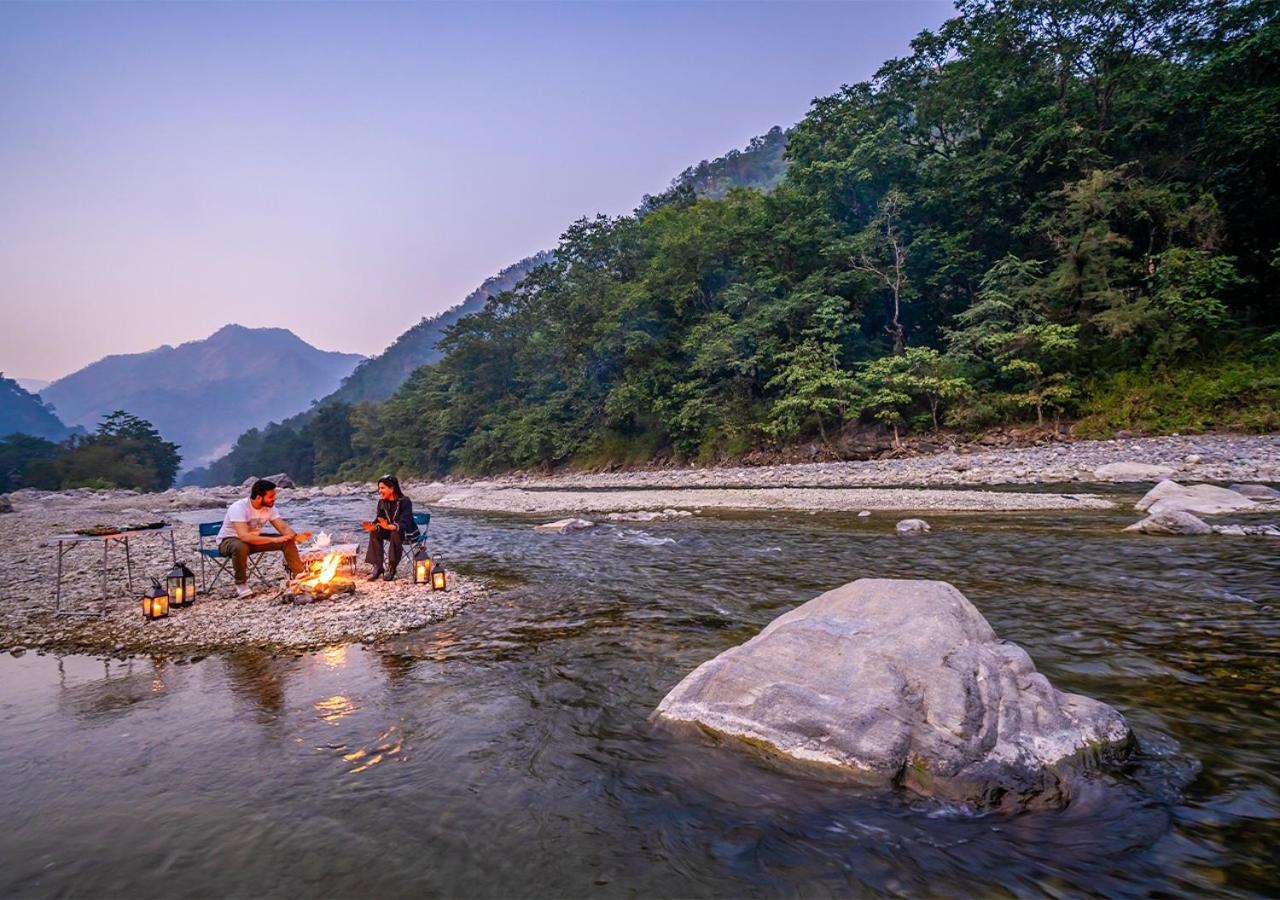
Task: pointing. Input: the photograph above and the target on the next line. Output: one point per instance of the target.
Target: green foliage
(125, 452)
(892, 388)
(1237, 393)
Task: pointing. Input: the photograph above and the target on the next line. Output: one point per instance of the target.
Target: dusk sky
(343, 170)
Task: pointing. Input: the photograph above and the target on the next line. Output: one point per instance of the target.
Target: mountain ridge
(200, 394)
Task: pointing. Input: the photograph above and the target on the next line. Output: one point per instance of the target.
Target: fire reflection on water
(385, 745)
(334, 708)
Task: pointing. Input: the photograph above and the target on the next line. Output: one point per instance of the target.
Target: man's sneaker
(243, 590)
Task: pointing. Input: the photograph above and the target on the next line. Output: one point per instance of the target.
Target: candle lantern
(438, 582)
(180, 585)
(155, 602)
(422, 567)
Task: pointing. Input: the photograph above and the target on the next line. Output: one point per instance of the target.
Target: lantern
(180, 585)
(155, 602)
(437, 578)
(422, 567)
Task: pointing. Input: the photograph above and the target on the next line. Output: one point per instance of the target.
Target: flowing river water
(509, 751)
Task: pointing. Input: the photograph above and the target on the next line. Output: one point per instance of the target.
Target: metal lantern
(155, 602)
(422, 567)
(438, 581)
(180, 585)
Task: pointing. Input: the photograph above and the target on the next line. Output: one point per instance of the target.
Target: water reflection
(260, 679)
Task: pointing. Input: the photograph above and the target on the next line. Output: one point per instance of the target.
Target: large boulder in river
(912, 526)
(1201, 499)
(904, 682)
(1173, 522)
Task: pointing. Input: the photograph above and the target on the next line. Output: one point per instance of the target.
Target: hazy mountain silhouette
(23, 412)
(202, 394)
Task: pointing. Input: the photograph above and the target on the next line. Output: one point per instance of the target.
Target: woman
(393, 522)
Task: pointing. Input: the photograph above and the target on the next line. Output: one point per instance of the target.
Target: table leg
(173, 545)
(57, 595)
(128, 566)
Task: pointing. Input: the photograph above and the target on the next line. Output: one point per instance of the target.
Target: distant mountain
(202, 394)
(25, 413)
(34, 385)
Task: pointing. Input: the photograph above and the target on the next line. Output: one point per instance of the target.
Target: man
(241, 534)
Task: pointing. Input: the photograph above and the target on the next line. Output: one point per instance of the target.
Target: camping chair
(422, 520)
(220, 563)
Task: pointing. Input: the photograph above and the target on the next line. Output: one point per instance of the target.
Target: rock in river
(903, 681)
(566, 526)
(1173, 522)
(1255, 491)
(1202, 499)
(911, 526)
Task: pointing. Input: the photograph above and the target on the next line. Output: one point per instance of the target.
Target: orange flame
(322, 571)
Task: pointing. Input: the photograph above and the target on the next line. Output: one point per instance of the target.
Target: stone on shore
(566, 526)
(904, 682)
(1131, 471)
(1201, 499)
(6, 505)
(1172, 522)
(912, 526)
(1255, 491)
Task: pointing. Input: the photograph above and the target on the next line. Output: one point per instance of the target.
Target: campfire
(321, 581)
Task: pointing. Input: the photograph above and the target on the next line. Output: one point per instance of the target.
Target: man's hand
(305, 536)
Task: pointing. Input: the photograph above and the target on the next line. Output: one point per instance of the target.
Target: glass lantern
(422, 567)
(155, 602)
(438, 580)
(180, 585)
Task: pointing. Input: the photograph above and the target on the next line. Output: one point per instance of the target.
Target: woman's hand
(386, 525)
(367, 526)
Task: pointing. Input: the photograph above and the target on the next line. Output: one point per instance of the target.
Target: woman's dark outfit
(398, 513)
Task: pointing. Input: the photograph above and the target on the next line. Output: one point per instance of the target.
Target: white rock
(1172, 522)
(904, 681)
(912, 526)
(565, 526)
(864, 514)
(1202, 499)
(1255, 491)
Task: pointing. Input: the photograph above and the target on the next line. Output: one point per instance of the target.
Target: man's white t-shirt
(243, 511)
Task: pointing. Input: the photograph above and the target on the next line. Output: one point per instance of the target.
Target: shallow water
(508, 751)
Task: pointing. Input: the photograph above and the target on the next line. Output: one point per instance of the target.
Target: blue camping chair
(220, 563)
(422, 520)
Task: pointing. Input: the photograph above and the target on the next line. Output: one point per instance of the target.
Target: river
(509, 751)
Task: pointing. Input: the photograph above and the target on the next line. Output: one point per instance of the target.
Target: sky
(342, 169)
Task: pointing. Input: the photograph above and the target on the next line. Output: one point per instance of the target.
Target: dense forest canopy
(1046, 210)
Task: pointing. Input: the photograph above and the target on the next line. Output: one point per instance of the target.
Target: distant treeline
(1048, 209)
(125, 452)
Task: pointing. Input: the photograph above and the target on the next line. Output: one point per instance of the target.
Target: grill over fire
(321, 581)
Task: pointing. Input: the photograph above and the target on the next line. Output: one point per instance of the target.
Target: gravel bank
(217, 622)
(1217, 458)
(515, 500)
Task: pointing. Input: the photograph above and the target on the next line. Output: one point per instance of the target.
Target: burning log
(321, 581)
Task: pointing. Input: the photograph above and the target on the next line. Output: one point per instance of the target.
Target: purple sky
(344, 169)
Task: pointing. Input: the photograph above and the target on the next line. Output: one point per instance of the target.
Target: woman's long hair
(392, 482)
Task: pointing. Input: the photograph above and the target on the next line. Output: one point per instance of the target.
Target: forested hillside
(1047, 211)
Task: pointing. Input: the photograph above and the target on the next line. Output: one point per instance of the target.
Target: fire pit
(320, 581)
